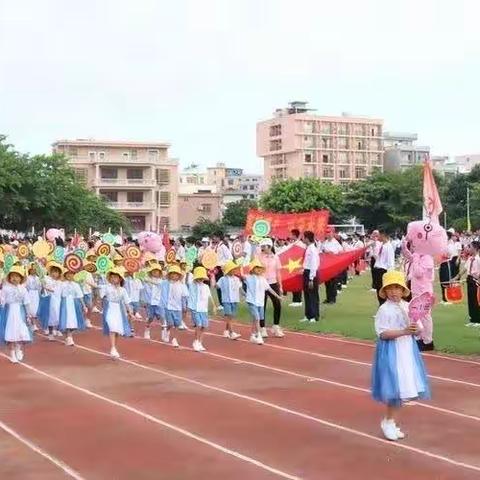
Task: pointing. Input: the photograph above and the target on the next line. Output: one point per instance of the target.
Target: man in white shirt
(311, 263)
(223, 256)
(331, 245)
(295, 240)
(384, 261)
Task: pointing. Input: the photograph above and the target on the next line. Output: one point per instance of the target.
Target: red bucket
(454, 293)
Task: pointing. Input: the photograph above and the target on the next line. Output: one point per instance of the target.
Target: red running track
(277, 411)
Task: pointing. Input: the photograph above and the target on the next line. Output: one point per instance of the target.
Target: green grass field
(352, 316)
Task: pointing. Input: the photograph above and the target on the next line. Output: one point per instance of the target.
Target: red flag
(165, 238)
(331, 265)
(432, 205)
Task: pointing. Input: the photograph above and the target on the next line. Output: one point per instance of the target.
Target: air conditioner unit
(200, 208)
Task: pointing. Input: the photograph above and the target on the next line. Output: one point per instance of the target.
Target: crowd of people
(44, 294)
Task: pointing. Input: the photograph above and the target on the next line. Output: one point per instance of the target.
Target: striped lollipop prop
(103, 264)
(104, 249)
(73, 263)
(131, 265)
(23, 251)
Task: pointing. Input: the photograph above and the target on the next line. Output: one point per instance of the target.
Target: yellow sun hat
(116, 271)
(229, 266)
(175, 269)
(256, 264)
(154, 266)
(393, 277)
(200, 273)
(18, 270)
(51, 265)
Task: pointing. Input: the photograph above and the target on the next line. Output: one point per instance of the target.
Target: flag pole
(469, 226)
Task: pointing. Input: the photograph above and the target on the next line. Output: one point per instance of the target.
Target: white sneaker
(19, 353)
(51, 337)
(446, 303)
(470, 324)
(13, 358)
(96, 310)
(88, 323)
(344, 286)
(34, 328)
(46, 332)
(304, 319)
(69, 342)
(295, 304)
(389, 429)
(253, 338)
(263, 332)
(164, 324)
(226, 334)
(58, 333)
(166, 337)
(196, 346)
(138, 316)
(277, 331)
(175, 343)
(182, 326)
(259, 339)
(312, 320)
(476, 325)
(114, 353)
(234, 336)
(202, 348)
(146, 334)
(373, 290)
(220, 307)
(400, 434)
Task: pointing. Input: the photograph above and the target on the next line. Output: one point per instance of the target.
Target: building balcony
(132, 205)
(140, 160)
(125, 182)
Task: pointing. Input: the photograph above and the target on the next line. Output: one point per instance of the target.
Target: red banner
(282, 223)
(330, 266)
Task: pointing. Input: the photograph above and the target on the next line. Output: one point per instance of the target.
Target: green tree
(206, 228)
(303, 195)
(236, 212)
(42, 191)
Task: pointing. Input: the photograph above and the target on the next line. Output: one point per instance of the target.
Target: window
(107, 173)
(251, 187)
(164, 222)
(185, 199)
(92, 156)
(325, 142)
(109, 196)
(359, 145)
(134, 173)
(342, 129)
(81, 174)
(325, 158)
(244, 187)
(277, 159)
(133, 153)
(252, 196)
(309, 171)
(342, 157)
(206, 207)
(328, 172)
(358, 129)
(308, 158)
(343, 172)
(230, 182)
(165, 199)
(135, 197)
(360, 172)
(275, 145)
(101, 155)
(342, 143)
(359, 158)
(308, 141)
(163, 176)
(275, 130)
(325, 127)
(373, 132)
(153, 155)
(73, 151)
(308, 127)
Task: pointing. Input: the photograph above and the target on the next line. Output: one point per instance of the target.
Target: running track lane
(222, 415)
(98, 440)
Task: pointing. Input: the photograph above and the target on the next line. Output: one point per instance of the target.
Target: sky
(200, 73)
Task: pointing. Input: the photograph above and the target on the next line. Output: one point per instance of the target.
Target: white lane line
(343, 359)
(63, 466)
(319, 336)
(309, 378)
(157, 420)
(251, 399)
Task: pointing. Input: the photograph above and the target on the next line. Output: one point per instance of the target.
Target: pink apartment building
(297, 143)
(137, 178)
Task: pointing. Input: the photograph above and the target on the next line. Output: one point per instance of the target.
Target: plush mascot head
(427, 238)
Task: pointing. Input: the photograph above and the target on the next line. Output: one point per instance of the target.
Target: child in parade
(257, 285)
(398, 372)
(174, 295)
(230, 286)
(14, 326)
(187, 278)
(34, 286)
(88, 286)
(72, 308)
(134, 287)
(154, 308)
(198, 300)
(116, 310)
(49, 308)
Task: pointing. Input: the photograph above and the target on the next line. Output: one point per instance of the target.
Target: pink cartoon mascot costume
(152, 242)
(425, 240)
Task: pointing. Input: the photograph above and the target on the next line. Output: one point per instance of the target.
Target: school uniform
(71, 308)
(230, 286)
(174, 297)
(384, 261)
(155, 309)
(198, 297)
(223, 255)
(87, 289)
(398, 372)
(331, 286)
(33, 286)
(133, 286)
(256, 287)
(13, 318)
(311, 262)
(49, 307)
(472, 266)
(115, 301)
